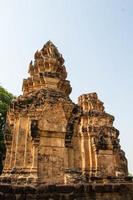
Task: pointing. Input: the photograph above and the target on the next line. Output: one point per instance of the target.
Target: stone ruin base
(95, 191)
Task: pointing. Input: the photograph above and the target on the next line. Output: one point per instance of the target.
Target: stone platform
(115, 191)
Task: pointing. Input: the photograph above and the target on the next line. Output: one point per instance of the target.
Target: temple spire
(47, 71)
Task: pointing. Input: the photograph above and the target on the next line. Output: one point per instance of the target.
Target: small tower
(104, 157)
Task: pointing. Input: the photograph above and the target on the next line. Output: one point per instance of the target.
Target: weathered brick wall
(69, 192)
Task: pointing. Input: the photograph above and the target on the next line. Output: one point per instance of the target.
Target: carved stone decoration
(74, 118)
(34, 128)
(7, 133)
(50, 139)
(102, 141)
(116, 143)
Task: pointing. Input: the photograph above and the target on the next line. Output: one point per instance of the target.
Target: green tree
(5, 100)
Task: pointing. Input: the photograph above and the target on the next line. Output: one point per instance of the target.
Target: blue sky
(96, 40)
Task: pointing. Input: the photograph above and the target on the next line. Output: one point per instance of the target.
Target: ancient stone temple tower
(50, 139)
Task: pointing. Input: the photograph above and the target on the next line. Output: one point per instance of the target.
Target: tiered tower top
(47, 71)
(90, 103)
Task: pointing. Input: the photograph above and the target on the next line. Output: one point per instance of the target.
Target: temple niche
(50, 139)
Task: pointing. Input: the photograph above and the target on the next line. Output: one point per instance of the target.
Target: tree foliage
(5, 100)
